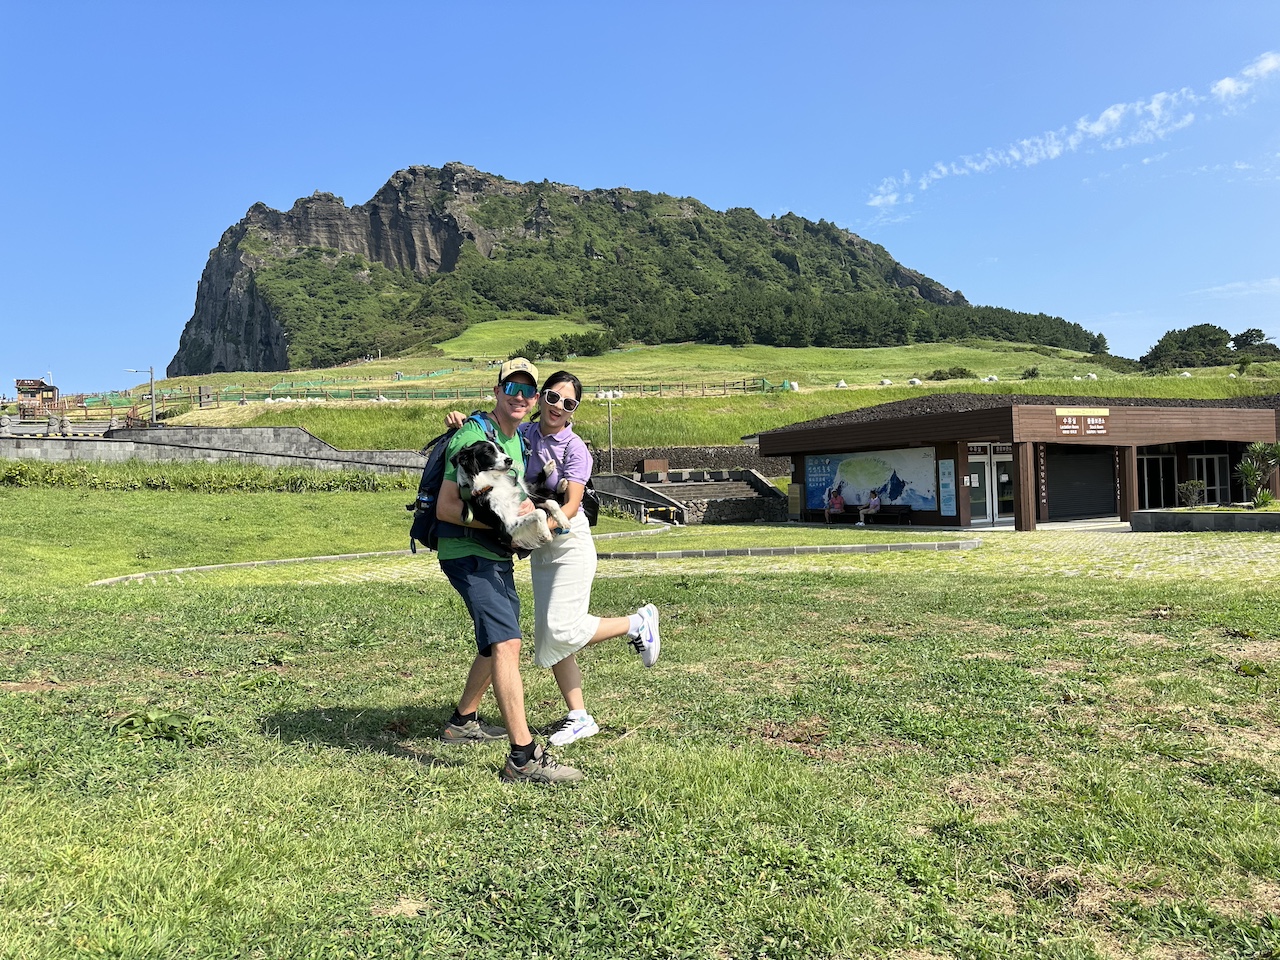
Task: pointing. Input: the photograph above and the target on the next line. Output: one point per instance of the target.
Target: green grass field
(1056, 745)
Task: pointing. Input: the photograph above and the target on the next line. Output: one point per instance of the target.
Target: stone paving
(1078, 551)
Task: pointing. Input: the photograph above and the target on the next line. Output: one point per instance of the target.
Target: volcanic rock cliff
(423, 220)
(404, 226)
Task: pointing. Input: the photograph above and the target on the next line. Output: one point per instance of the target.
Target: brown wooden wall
(1145, 426)
(975, 426)
(1126, 426)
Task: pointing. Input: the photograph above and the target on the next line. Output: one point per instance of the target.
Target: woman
(563, 570)
(872, 508)
(835, 503)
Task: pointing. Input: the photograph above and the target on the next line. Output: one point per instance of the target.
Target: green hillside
(683, 395)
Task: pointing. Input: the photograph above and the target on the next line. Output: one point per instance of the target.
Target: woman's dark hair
(564, 376)
(560, 376)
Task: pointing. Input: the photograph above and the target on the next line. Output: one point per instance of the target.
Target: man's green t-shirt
(450, 548)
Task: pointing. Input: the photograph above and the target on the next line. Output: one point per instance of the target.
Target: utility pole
(151, 373)
(608, 396)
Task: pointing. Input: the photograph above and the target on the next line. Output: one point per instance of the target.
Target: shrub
(953, 373)
(1256, 469)
(1191, 493)
(1030, 373)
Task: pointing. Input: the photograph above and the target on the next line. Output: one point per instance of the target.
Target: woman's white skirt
(562, 571)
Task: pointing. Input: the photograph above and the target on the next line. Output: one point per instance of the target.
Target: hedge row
(198, 477)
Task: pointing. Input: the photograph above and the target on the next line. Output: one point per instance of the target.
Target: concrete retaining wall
(262, 446)
(1188, 521)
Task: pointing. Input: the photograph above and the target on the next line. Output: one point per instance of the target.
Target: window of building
(1213, 469)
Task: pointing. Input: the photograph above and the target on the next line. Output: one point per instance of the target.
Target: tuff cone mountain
(437, 249)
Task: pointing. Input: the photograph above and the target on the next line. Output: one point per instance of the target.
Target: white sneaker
(578, 725)
(859, 524)
(649, 642)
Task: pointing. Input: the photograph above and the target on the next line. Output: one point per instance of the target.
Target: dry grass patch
(404, 907)
(1084, 895)
(1259, 651)
(1258, 744)
(1053, 668)
(805, 736)
(984, 804)
(29, 686)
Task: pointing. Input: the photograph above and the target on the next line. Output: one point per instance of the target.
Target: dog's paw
(531, 531)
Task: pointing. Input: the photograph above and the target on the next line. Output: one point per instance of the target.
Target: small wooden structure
(35, 397)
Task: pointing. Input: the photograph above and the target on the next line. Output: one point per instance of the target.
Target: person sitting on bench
(835, 503)
(873, 506)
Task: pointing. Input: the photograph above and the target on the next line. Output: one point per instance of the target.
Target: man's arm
(450, 506)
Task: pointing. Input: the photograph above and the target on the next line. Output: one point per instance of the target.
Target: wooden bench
(888, 513)
(898, 513)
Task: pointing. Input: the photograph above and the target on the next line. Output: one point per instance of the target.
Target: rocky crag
(420, 224)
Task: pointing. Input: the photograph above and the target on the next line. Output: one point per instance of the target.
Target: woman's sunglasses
(551, 398)
(514, 388)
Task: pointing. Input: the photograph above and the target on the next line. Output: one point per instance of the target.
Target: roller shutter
(1081, 482)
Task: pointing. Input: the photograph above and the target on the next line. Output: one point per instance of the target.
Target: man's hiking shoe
(568, 729)
(541, 769)
(473, 731)
(649, 642)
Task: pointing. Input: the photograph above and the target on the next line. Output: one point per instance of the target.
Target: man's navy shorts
(488, 588)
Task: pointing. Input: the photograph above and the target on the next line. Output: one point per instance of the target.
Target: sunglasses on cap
(552, 398)
(514, 388)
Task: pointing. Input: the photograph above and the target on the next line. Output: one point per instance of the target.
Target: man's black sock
(458, 719)
(522, 755)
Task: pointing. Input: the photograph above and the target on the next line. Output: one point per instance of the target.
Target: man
(485, 579)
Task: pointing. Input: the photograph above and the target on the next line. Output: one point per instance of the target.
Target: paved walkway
(1093, 548)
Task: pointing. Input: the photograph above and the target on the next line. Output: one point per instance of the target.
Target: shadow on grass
(409, 733)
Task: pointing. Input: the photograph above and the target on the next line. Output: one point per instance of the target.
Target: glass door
(1157, 482)
(979, 491)
(1002, 489)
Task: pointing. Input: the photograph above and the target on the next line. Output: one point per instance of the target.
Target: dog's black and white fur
(483, 468)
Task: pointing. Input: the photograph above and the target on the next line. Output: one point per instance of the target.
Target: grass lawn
(1055, 745)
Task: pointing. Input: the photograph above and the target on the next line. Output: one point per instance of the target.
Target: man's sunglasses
(551, 398)
(514, 388)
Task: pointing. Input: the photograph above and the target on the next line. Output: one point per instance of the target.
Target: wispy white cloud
(1118, 127)
(1233, 88)
(1242, 288)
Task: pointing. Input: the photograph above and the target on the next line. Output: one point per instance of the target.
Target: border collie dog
(495, 496)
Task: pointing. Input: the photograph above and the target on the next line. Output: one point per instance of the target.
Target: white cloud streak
(1243, 288)
(1232, 88)
(1119, 126)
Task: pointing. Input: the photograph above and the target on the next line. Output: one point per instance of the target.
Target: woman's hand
(454, 419)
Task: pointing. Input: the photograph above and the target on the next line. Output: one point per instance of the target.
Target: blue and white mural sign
(899, 476)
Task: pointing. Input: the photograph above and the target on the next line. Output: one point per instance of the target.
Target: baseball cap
(517, 365)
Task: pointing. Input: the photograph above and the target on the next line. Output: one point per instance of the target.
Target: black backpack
(426, 528)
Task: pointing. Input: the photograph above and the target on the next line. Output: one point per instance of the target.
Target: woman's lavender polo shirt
(565, 451)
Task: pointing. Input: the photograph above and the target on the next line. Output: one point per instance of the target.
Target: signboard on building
(1082, 421)
(947, 488)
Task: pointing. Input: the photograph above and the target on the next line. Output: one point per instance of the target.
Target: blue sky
(1116, 164)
